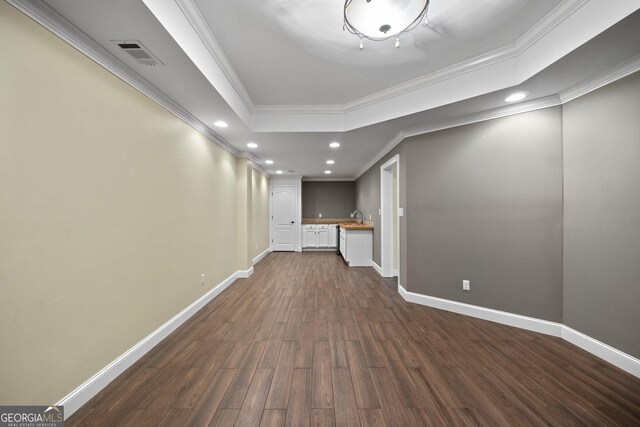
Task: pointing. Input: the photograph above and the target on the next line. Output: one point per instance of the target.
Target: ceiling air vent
(138, 52)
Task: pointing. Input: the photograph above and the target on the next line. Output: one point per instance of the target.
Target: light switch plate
(400, 211)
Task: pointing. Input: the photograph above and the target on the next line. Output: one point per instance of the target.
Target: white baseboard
(244, 274)
(376, 267)
(81, 395)
(604, 351)
(262, 255)
(614, 356)
(523, 322)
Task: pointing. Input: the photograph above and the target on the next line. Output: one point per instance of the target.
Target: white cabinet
(333, 239)
(322, 240)
(319, 236)
(309, 236)
(356, 247)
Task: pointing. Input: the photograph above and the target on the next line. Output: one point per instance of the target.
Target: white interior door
(283, 223)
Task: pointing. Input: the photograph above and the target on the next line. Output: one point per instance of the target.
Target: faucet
(355, 213)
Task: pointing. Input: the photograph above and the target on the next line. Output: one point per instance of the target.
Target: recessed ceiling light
(518, 96)
(221, 124)
(279, 172)
(269, 162)
(327, 172)
(334, 145)
(330, 162)
(252, 145)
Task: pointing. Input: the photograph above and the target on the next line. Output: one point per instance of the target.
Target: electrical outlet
(319, 215)
(466, 286)
(202, 279)
(369, 217)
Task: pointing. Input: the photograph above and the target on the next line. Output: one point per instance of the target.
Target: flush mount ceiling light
(334, 145)
(330, 162)
(518, 96)
(252, 145)
(327, 172)
(379, 20)
(279, 172)
(221, 124)
(269, 162)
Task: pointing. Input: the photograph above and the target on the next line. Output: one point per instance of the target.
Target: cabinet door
(323, 237)
(343, 244)
(309, 236)
(332, 236)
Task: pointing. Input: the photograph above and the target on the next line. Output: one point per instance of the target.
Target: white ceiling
(289, 52)
(234, 90)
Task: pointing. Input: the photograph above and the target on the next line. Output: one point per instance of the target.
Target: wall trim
(262, 255)
(83, 393)
(201, 27)
(496, 113)
(622, 360)
(523, 322)
(376, 267)
(599, 349)
(617, 72)
(327, 179)
(61, 27)
(245, 274)
(550, 21)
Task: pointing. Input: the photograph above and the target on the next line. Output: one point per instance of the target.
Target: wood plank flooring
(306, 341)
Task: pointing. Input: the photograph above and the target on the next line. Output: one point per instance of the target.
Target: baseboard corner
(599, 349)
(376, 267)
(245, 274)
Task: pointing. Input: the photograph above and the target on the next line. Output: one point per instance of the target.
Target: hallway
(308, 341)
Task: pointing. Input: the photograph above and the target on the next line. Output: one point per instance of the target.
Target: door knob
(292, 222)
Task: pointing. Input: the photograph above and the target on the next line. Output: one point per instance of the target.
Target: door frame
(386, 216)
(282, 181)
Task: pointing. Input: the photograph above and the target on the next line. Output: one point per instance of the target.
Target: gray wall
(368, 201)
(484, 203)
(602, 214)
(333, 199)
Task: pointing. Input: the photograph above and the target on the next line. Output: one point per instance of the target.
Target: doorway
(390, 213)
(283, 217)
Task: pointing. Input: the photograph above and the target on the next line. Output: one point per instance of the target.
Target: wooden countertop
(322, 221)
(354, 226)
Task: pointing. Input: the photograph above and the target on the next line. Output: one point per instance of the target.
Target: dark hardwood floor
(308, 341)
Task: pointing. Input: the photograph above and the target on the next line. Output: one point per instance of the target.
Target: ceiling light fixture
(279, 172)
(269, 162)
(330, 162)
(334, 145)
(380, 20)
(220, 124)
(327, 172)
(252, 145)
(518, 96)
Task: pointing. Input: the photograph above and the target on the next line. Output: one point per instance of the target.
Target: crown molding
(554, 18)
(253, 162)
(298, 109)
(617, 72)
(200, 25)
(524, 107)
(328, 179)
(42, 13)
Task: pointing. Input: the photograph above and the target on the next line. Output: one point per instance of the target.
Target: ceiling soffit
(565, 28)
